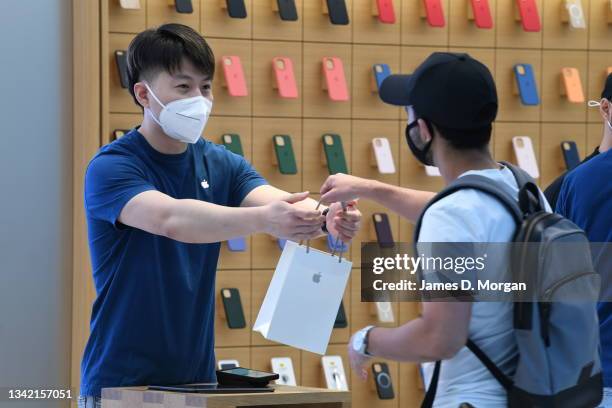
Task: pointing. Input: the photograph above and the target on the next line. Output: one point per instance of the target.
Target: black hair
(465, 139)
(163, 49)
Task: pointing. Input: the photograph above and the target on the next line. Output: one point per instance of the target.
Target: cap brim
(395, 90)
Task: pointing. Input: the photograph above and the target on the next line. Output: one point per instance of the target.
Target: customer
(158, 201)
(451, 103)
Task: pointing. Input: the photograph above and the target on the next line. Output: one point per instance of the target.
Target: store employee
(158, 201)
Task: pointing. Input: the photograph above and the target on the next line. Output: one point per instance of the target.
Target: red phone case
(435, 13)
(285, 78)
(234, 75)
(482, 14)
(333, 71)
(386, 12)
(530, 18)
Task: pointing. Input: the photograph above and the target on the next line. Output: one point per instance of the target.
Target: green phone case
(334, 153)
(284, 154)
(232, 142)
(233, 308)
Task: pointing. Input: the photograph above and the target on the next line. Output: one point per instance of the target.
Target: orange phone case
(234, 75)
(572, 85)
(285, 78)
(335, 80)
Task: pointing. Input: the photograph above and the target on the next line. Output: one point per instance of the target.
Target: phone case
(383, 155)
(231, 141)
(382, 379)
(234, 76)
(570, 154)
(283, 366)
(285, 157)
(434, 13)
(575, 14)
(236, 8)
(338, 13)
(525, 155)
(121, 61)
(117, 133)
(333, 71)
(530, 18)
(183, 6)
(380, 71)
(287, 10)
(386, 11)
(432, 171)
(341, 321)
(285, 77)
(482, 14)
(225, 364)
(237, 244)
(384, 311)
(384, 236)
(130, 4)
(233, 308)
(526, 84)
(333, 369)
(572, 84)
(281, 243)
(334, 153)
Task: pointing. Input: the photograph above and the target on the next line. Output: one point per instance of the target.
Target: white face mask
(597, 104)
(183, 119)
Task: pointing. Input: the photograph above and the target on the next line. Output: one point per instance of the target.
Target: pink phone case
(234, 75)
(482, 14)
(435, 13)
(530, 18)
(333, 71)
(285, 78)
(386, 12)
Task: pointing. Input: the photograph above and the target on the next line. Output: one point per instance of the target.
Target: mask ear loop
(597, 104)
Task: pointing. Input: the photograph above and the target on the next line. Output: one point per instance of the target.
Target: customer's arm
(406, 202)
(438, 334)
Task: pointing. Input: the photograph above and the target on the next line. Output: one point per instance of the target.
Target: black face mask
(423, 154)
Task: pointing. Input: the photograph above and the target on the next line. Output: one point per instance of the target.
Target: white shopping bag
(303, 298)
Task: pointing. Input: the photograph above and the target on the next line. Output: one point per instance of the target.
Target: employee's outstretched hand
(343, 187)
(285, 219)
(344, 224)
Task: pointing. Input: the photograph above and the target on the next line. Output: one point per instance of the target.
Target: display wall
(559, 115)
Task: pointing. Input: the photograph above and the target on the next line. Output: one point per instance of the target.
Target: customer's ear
(604, 109)
(426, 135)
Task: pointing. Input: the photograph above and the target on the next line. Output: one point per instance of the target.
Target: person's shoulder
(120, 151)
(591, 168)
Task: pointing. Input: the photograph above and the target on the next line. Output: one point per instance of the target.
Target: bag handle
(344, 208)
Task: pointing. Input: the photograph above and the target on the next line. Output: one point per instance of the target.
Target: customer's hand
(284, 219)
(343, 187)
(358, 361)
(343, 224)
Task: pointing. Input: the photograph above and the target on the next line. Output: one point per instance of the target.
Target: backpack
(558, 362)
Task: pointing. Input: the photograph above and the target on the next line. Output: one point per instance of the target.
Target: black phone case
(236, 8)
(121, 60)
(570, 154)
(337, 12)
(287, 10)
(233, 309)
(384, 385)
(384, 236)
(341, 321)
(184, 6)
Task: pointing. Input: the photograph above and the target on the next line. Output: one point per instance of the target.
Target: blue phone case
(281, 243)
(331, 241)
(380, 76)
(526, 85)
(236, 244)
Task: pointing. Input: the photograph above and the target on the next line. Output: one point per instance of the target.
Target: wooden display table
(283, 396)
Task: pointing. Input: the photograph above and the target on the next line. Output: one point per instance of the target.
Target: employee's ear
(142, 94)
(426, 135)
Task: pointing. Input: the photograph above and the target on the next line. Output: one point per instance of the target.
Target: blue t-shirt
(586, 199)
(153, 319)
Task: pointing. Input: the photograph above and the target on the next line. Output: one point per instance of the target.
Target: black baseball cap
(607, 91)
(453, 91)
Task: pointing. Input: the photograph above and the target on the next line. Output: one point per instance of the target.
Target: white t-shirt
(473, 216)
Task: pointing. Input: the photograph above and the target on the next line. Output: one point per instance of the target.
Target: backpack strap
(491, 366)
(430, 396)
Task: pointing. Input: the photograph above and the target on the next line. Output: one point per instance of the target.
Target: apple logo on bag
(316, 278)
